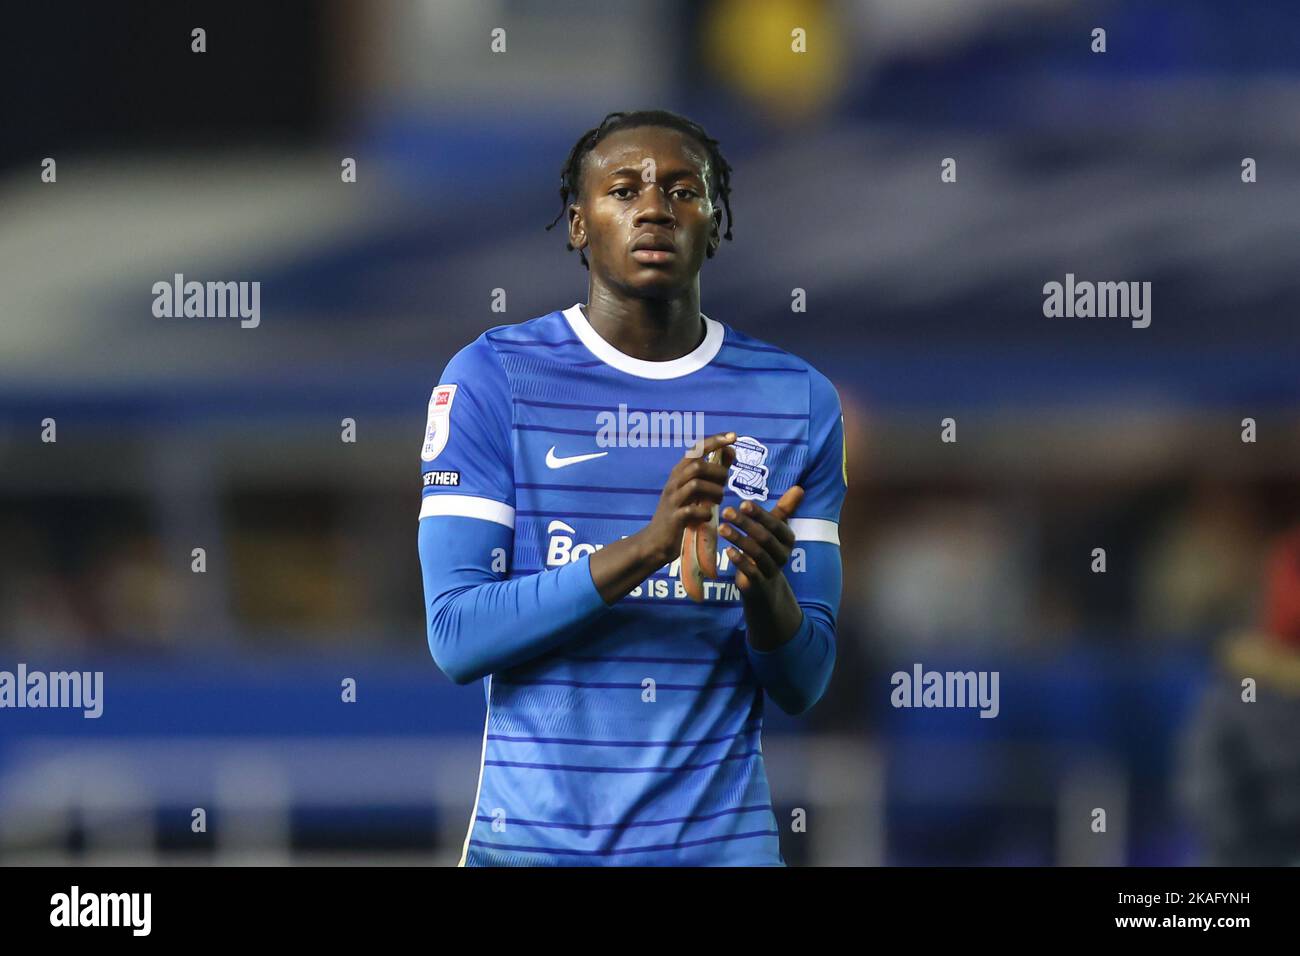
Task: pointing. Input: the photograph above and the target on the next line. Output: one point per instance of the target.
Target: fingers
(761, 540)
(698, 479)
(788, 504)
(746, 569)
(695, 491)
(689, 468)
(695, 512)
(772, 522)
(702, 472)
(756, 543)
(713, 442)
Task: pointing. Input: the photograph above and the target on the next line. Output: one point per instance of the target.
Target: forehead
(671, 150)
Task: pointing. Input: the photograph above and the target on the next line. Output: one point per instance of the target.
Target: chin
(663, 285)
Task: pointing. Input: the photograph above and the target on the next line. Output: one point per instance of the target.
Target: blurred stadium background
(222, 689)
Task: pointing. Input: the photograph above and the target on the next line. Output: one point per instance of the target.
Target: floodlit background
(222, 689)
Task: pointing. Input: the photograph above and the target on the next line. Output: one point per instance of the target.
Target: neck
(653, 330)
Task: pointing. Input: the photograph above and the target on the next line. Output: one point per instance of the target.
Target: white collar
(692, 361)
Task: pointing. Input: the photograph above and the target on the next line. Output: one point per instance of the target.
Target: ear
(577, 227)
(715, 234)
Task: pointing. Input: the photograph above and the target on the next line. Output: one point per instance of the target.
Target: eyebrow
(669, 176)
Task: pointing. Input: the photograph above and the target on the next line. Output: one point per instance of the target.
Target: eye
(625, 190)
(689, 193)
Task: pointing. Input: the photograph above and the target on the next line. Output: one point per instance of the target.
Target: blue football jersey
(638, 740)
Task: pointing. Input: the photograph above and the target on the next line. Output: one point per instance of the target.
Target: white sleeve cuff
(815, 529)
(467, 506)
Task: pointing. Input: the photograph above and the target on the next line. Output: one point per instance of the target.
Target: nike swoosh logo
(553, 462)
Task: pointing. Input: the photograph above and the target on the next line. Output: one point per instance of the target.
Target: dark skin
(648, 310)
(647, 305)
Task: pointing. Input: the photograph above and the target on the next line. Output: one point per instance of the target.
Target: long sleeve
(477, 622)
(795, 674)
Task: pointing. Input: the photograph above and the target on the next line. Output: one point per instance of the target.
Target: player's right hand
(694, 488)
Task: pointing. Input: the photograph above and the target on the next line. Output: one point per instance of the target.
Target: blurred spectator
(1241, 774)
(1201, 568)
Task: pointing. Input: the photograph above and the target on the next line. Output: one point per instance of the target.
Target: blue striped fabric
(637, 743)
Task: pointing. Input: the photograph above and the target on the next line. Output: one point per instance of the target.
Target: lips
(650, 249)
(652, 243)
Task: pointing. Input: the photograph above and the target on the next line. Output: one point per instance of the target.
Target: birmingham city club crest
(748, 477)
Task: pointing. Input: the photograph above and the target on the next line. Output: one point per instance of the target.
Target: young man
(560, 472)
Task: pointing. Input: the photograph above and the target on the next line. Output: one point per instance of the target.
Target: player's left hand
(761, 541)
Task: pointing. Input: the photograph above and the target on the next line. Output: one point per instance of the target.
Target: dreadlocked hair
(719, 185)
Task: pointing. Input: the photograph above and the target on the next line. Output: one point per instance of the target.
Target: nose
(655, 207)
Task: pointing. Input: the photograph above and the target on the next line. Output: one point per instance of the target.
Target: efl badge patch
(748, 477)
(438, 428)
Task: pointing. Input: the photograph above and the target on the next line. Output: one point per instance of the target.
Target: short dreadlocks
(719, 184)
